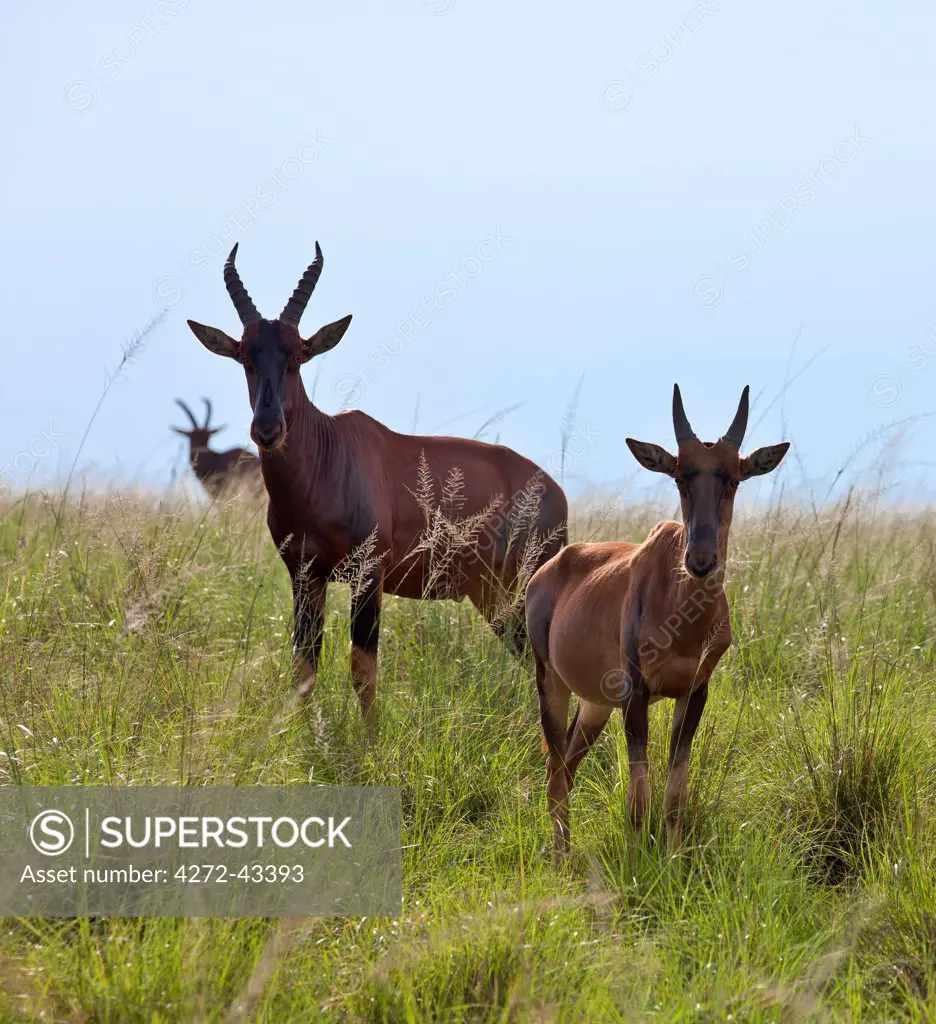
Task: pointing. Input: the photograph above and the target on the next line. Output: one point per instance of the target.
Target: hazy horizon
(696, 192)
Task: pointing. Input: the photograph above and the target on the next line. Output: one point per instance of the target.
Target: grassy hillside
(145, 642)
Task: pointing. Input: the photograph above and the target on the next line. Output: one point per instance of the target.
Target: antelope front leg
(308, 628)
(636, 727)
(365, 636)
(686, 719)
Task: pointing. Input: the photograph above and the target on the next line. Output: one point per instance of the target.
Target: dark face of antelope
(271, 367)
(707, 474)
(271, 351)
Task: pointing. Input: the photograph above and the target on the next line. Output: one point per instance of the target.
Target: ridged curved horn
(292, 314)
(207, 413)
(684, 431)
(243, 303)
(735, 433)
(188, 412)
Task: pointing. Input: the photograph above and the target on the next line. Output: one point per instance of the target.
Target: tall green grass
(146, 641)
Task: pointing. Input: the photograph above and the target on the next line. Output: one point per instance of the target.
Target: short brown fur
(625, 625)
(346, 483)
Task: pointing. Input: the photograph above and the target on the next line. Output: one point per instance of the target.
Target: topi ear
(763, 460)
(652, 456)
(325, 338)
(182, 431)
(214, 340)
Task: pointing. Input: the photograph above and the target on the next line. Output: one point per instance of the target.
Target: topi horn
(292, 314)
(188, 412)
(734, 436)
(243, 303)
(681, 425)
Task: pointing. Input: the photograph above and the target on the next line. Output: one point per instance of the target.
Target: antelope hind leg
(554, 713)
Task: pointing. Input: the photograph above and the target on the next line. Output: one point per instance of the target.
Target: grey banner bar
(200, 851)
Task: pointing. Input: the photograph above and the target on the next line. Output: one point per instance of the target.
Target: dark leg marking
(512, 631)
(308, 627)
(636, 708)
(553, 730)
(365, 638)
(538, 619)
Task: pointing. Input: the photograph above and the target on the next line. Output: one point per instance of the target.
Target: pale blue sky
(622, 151)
